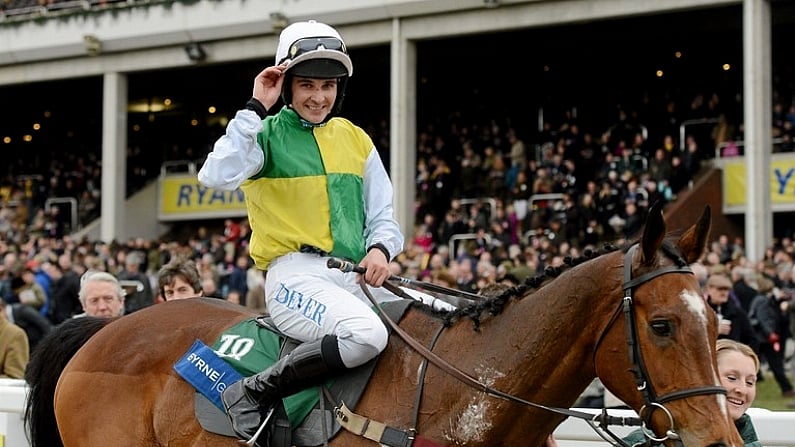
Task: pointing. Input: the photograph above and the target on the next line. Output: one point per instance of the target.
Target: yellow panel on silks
(182, 197)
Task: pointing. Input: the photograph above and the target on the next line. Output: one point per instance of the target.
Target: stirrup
(253, 441)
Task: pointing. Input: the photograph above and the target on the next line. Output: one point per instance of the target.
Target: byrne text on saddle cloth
(207, 372)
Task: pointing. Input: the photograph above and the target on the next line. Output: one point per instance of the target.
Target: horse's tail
(47, 361)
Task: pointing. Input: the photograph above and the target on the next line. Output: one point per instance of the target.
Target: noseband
(650, 399)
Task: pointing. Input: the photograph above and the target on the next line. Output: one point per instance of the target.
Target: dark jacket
(744, 426)
(29, 319)
(766, 317)
(140, 297)
(741, 325)
(238, 281)
(744, 293)
(64, 298)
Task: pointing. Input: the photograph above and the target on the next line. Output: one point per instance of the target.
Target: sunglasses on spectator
(308, 44)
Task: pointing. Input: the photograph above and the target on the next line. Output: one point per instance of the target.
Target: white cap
(289, 52)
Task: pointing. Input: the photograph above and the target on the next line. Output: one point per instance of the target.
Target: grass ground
(768, 394)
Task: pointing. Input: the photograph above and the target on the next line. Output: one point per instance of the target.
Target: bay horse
(634, 317)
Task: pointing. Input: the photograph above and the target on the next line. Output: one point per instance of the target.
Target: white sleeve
(380, 225)
(236, 156)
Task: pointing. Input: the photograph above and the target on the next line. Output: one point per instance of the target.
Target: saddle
(319, 423)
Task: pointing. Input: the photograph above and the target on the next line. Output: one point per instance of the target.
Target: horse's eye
(661, 327)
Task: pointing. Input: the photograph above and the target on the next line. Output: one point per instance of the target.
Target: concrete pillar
(114, 155)
(757, 93)
(403, 125)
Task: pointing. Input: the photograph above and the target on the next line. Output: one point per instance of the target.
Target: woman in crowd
(738, 366)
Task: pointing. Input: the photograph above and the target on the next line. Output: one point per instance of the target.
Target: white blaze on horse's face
(472, 424)
(695, 302)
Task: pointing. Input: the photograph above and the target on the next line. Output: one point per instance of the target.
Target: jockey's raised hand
(268, 85)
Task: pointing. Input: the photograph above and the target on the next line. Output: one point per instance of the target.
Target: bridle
(651, 401)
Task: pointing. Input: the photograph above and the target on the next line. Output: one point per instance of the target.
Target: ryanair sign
(182, 197)
(781, 184)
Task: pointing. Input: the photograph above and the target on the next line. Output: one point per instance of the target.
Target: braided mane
(496, 296)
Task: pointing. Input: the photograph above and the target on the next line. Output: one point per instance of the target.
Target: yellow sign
(182, 197)
(782, 182)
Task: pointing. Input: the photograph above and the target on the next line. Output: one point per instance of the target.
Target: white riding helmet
(313, 41)
(314, 50)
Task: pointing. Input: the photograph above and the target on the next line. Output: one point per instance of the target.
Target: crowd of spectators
(561, 189)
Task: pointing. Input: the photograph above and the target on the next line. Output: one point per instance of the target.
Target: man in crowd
(64, 291)
(14, 349)
(101, 295)
(30, 320)
(142, 295)
(179, 279)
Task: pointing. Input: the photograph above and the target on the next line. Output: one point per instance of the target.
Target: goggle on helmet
(314, 50)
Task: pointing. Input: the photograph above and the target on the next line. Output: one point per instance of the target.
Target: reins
(465, 378)
(603, 419)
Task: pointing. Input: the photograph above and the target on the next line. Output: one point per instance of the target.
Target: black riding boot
(309, 364)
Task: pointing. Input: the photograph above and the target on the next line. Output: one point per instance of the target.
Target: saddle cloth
(300, 420)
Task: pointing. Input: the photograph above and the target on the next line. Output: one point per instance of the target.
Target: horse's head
(658, 352)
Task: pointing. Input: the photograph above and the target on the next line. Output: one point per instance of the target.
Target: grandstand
(111, 106)
(109, 66)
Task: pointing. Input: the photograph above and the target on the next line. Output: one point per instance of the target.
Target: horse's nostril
(718, 444)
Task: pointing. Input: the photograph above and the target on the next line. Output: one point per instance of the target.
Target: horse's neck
(551, 332)
(538, 349)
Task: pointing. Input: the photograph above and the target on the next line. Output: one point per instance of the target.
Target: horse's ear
(653, 233)
(694, 240)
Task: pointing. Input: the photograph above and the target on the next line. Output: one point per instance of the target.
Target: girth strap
(373, 430)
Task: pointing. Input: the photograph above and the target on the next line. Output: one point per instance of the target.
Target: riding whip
(347, 266)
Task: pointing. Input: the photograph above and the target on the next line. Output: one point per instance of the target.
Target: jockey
(315, 187)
